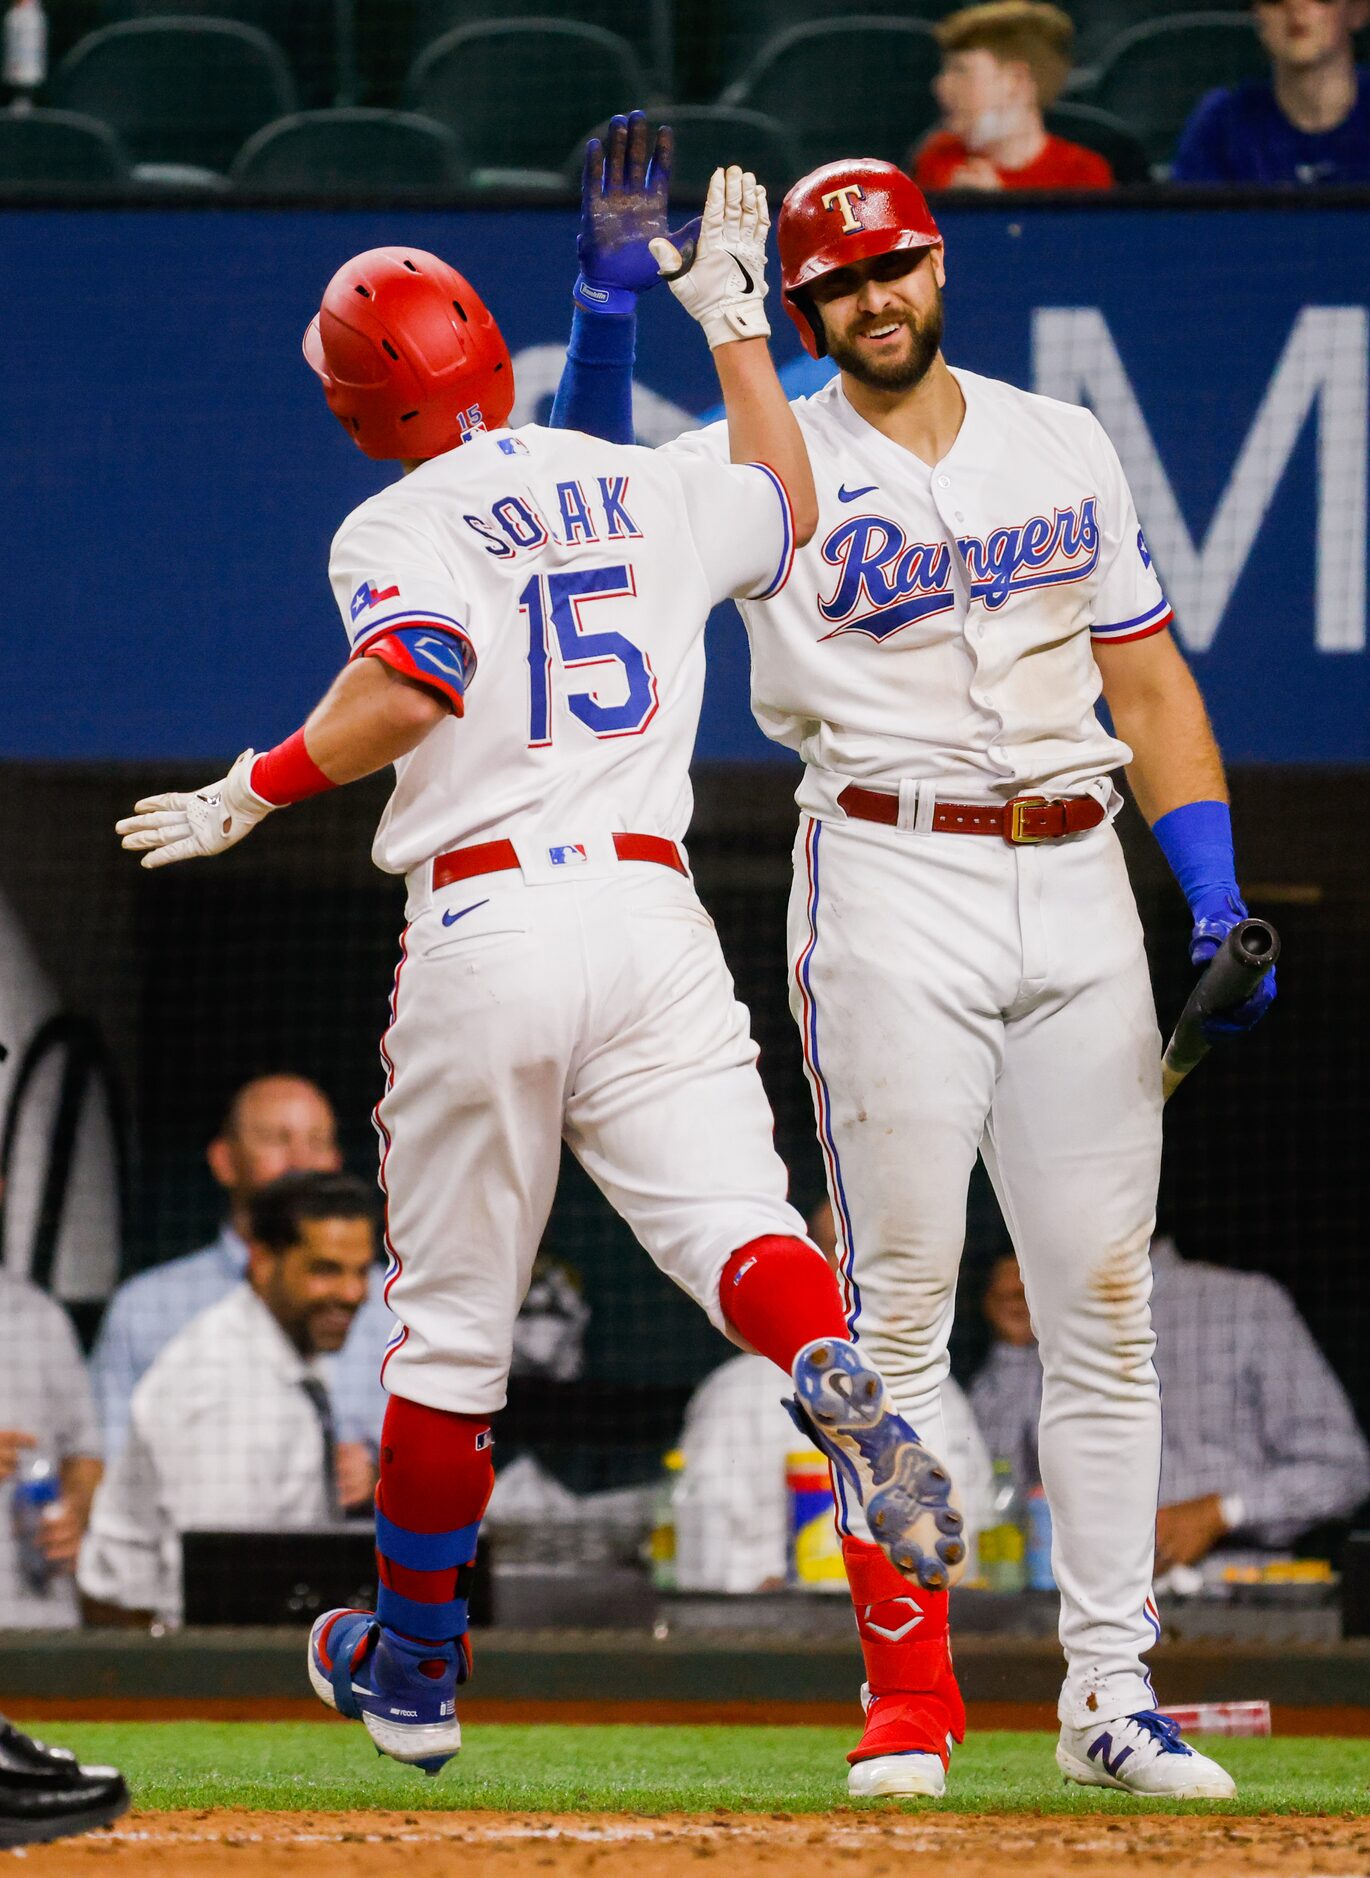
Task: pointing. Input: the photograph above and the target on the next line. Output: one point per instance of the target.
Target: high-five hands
(622, 205)
(720, 279)
(188, 827)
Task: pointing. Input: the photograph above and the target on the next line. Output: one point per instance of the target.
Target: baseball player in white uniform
(966, 960)
(525, 616)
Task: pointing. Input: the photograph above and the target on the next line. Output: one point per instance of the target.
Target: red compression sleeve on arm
(779, 1294)
(288, 773)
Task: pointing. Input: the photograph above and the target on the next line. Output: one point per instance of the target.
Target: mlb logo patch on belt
(571, 854)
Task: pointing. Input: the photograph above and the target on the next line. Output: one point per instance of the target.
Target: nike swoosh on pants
(450, 919)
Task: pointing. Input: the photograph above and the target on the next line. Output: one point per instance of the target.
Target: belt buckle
(1016, 833)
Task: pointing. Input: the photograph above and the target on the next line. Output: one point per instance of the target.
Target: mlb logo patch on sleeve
(369, 595)
(571, 854)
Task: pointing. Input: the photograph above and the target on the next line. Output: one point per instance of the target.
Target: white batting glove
(723, 283)
(180, 827)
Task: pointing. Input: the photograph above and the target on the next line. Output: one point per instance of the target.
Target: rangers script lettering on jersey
(974, 587)
(568, 597)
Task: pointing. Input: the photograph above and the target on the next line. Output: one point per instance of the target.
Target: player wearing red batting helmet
(856, 210)
(411, 360)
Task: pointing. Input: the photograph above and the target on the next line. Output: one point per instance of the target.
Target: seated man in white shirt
(732, 1515)
(1260, 1443)
(274, 1125)
(47, 1413)
(232, 1425)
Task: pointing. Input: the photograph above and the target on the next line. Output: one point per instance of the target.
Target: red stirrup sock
(915, 1702)
(437, 1472)
(778, 1294)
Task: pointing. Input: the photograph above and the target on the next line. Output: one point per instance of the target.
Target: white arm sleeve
(739, 518)
(1129, 603)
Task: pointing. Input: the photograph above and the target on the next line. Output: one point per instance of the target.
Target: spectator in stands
(732, 1518)
(549, 1331)
(1309, 124)
(1260, 1443)
(274, 1125)
(1003, 66)
(47, 1411)
(232, 1425)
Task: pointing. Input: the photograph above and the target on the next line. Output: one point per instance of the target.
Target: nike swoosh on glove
(722, 283)
(189, 827)
(1215, 915)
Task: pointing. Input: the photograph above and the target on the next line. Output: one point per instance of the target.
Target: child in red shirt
(1003, 65)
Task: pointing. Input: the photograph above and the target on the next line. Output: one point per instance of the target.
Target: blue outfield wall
(172, 477)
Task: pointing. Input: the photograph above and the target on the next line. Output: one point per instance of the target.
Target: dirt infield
(342, 1845)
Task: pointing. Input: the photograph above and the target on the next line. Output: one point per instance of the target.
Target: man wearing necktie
(232, 1426)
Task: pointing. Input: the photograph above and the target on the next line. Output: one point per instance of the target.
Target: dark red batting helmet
(844, 212)
(409, 355)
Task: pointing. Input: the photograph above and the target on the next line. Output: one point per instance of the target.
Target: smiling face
(882, 319)
(1302, 34)
(315, 1288)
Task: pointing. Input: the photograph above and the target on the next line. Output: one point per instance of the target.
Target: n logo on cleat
(895, 1633)
(1102, 1745)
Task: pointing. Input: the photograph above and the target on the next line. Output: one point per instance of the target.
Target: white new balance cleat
(898, 1776)
(1141, 1754)
(911, 1507)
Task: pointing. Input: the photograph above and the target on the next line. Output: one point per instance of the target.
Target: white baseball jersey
(563, 583)
(937, 627)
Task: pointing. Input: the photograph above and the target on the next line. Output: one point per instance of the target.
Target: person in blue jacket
(1308, 124)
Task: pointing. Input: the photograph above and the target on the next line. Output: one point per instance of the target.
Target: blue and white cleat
(910, 1504)
(405, 1693)
(1142, 1754)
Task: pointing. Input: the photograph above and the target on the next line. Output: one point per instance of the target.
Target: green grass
(322, 1766)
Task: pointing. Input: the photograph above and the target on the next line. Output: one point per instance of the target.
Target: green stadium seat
(350, 152)
(305, 30)
(178, 91)
(740, 31)
(645, 24)
(1100, 23)
(1155, 75)
(859, 86)
(1102, 132)
(520, 92)
(707, 135)
(59, 147)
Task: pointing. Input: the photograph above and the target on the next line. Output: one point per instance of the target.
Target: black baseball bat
(1229, 979)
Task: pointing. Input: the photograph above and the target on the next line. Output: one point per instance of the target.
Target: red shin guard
(436, 1476)
(915, 1702)
(778, 1294)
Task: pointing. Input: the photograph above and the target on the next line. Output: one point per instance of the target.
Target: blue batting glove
(1215, 914)
(622, 207)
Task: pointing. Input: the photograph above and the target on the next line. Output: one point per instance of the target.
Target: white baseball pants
(594, 1007)
(957, 995)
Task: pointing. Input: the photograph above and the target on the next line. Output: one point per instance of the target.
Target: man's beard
(894, 374)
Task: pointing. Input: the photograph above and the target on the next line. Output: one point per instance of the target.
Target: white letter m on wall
(1324, 364)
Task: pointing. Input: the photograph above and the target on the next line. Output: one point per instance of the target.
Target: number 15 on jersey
(552, 604)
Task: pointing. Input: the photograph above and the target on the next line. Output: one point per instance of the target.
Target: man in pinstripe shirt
(1260, 1441)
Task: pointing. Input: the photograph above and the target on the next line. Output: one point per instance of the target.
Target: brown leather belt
(1025, 819)
(496, 857)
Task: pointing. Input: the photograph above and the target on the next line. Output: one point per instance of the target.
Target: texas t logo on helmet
(845, 212)
(842, 200)
(409, 355)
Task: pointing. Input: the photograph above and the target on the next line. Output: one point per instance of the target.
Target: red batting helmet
(844, 212)
(410, 357)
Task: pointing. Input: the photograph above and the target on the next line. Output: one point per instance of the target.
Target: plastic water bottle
(37, 1489)
(1001, 1542)
(1040, 1576)
(661, 1543)
(26, 48)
